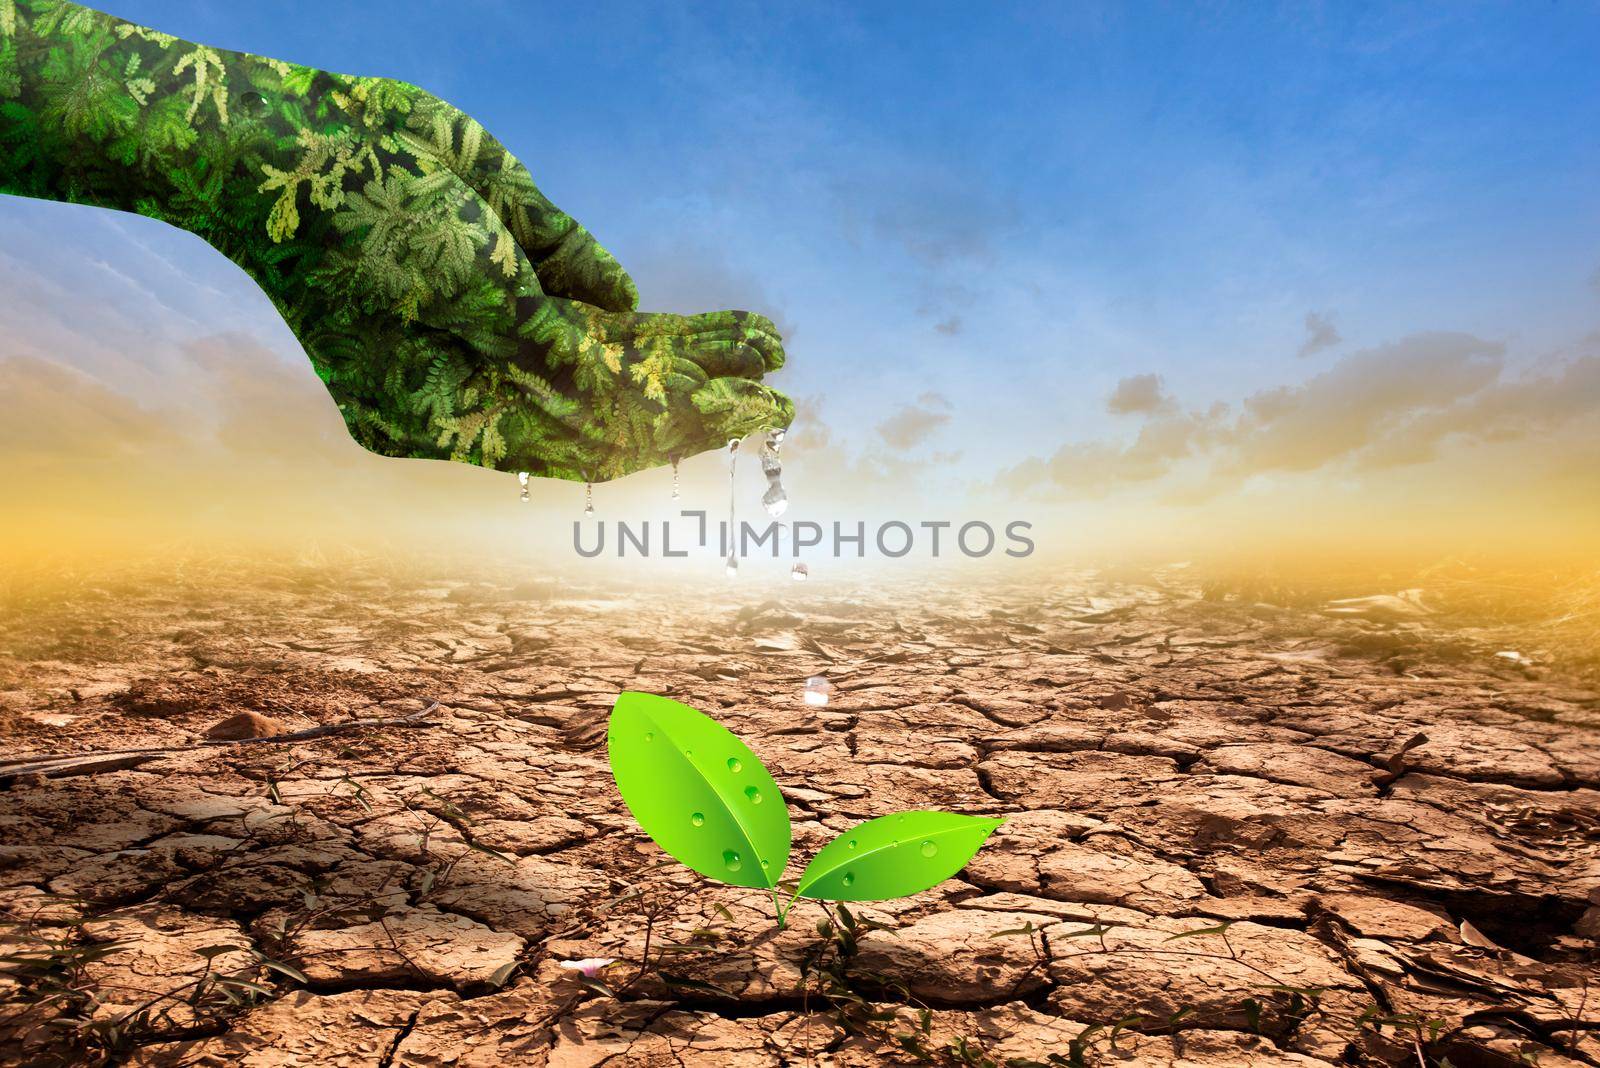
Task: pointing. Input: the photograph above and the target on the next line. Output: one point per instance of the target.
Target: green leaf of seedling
(1025, 929)
(285, 969)
(698, 791)
(209, 952)
(495, 853)
(1218, 929)
(894, 856)
(1087, 932)
(596, 986)
(698, 986)
(244, 984)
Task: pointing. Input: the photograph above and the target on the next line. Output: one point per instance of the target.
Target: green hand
(452, 311)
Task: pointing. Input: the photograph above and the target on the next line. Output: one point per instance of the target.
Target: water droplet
(588, 498)
(731, 566)
(649, 736)
(735, 765)
(731, 859)
(753, 794)
(849, 877)
(766, 863)
(799, 572)
(900, 819)
(522, 483)
(698, 819)
(929, 849)
(674, 478)
(817, 690)
(775, 500)
(688, 752)
(850, 844)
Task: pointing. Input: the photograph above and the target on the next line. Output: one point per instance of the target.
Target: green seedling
(706, 799)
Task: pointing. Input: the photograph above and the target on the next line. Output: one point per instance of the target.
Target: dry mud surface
(1384, 832)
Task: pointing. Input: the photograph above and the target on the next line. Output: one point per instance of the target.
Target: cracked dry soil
(1168, 764)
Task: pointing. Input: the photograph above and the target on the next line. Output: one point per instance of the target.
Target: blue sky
(977, 219)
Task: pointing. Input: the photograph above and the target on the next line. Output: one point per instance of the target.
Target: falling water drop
(735, 765)
(929, 849)
(753, 794)
(817, 690)
(698, 819)
(588, 498)
(731, 565)
(775, 500)
(674, 478)
(731, 859)
(522, 483)
(799, 572)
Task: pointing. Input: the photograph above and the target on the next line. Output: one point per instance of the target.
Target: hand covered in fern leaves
(515, 343)
(451, 310)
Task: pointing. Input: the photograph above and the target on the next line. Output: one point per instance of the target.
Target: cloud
(55, 412)
(1320, 334)
(256, 407)
(1095, 468)
(1363, 398)
(1385, 407)
(864, 475)
(1509, 411)
(231, 401)
(915, 423)
(1138, 394)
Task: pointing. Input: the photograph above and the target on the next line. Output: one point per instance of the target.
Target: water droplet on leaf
(731, 859)
(734, 765)
(929, 849)
(753, 794)
(849, 878)
(698, 819)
